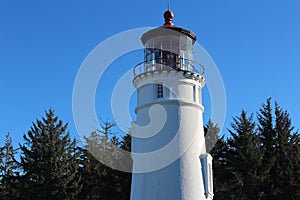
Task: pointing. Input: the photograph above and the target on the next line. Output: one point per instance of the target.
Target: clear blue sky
(255, 44)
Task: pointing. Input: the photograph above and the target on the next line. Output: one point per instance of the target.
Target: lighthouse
(168, 145)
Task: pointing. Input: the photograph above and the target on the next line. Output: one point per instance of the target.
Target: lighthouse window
(159, 91)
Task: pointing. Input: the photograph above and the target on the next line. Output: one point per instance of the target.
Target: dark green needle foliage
(49, 161)
(260, 159)
(99, 180)
(8, 170)
(244, 158)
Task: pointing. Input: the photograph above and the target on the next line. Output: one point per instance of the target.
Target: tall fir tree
(280, 148)
(8, 170)
(267, 137)
(99, 180)
(244, 158)
(221, 170)
(49, 161)
(285, 166)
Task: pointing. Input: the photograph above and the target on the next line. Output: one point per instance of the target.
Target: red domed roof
(168, 25)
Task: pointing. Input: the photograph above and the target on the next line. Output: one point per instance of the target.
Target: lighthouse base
(178, 181)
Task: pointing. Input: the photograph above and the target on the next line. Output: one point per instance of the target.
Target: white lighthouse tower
(168, 145)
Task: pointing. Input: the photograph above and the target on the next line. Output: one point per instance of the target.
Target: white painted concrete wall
(181, 180)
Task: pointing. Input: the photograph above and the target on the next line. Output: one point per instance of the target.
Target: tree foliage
(49, 161)
(8, 170)
(101, 181)
(260, 159)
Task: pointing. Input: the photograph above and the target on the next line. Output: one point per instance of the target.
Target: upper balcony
(178, 64)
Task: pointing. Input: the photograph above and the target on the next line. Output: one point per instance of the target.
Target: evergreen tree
(92, 180)
(267, 137)
(49, 161)
(285, 156)
(8, 170)
(244, 158)
(93, 172)
(101, 181)
(221, 170)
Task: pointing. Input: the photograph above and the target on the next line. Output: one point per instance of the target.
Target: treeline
(258, 160)
(53, 166)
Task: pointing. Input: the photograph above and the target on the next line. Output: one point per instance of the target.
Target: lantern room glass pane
(174, 51)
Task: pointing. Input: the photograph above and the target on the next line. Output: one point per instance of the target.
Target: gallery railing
(159, 65)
